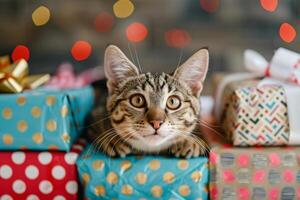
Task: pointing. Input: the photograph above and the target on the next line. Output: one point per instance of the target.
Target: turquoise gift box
(43, 119)
(142, 177)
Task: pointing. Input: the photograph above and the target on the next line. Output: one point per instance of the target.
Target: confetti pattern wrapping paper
(255, 173)
(40, 175)
(255, 115)
(143, 177)
(43, 119)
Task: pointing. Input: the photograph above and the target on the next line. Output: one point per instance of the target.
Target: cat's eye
(173, 102)
(137, 100)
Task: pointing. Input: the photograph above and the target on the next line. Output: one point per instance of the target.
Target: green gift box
(142, 177)
(43, 119)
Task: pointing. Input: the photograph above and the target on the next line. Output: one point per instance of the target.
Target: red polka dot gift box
(40, 175)
(254, 173)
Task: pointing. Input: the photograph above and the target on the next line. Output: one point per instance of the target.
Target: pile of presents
(43, 156)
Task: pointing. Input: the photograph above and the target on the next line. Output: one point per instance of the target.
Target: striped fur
(130, 128)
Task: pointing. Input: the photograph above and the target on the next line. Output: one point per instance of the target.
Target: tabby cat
(150, 113)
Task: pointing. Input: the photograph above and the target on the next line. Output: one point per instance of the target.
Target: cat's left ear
(117, 67)
(193, 71)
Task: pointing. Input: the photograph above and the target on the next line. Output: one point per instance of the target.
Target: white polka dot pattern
(72, 187)
(58, 172)
(5, 172)
(31, 172)
(59, 197)
(18, 157)
(71, 158)
(45, 187)
(39, 175)
(32, 197)
(45, 158)
(19, 186)
(6, 197)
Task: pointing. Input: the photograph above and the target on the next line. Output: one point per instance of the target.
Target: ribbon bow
(14, 77)
(65, 77)
(284, 65)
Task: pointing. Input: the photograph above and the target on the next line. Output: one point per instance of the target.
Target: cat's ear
(193, 71)
(117, 67)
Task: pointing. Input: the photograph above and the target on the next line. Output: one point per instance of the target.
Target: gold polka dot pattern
(112, 178)
(154, 164)
(22, 126)
(36, 112)
(127, 189)
(156, 191)
(98, 165)
(141, 178)
(7, 113)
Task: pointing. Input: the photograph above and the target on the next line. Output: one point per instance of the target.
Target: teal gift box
(43, 119)
(142, 177)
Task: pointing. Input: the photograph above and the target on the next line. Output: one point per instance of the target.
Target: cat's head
(152, 111)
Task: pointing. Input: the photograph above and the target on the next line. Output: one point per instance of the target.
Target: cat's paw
(118, 149)
(189, 148)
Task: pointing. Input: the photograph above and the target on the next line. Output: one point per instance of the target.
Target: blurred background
(157, 34)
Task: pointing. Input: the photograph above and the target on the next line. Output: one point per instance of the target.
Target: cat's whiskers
(97, 140)
(97, 122)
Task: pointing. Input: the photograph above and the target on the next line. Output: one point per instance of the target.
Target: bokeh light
(287, 32)
(104, 22)
(123, 8)
(136, 32)
(41, 16)
(20, 51)
(177, 38)
(269, 5)
(81, 50)
(210, 5)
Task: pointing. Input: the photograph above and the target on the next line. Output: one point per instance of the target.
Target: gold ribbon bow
(14, 77)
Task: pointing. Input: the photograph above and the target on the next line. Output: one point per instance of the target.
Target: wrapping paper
(255, 173)
(136, 177)
(43, 119)
(255, 115)
(39, 175)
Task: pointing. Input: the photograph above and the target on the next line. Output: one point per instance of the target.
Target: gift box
(252, 112)
(254, 173)
(43, 119)
(39, 175)
(142, 177)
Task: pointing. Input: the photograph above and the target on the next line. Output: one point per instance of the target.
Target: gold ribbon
(14, 77)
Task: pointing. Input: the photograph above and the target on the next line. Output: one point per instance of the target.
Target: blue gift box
(43, 119)
(142, 177)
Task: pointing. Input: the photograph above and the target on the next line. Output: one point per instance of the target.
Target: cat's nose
(156, 117)
(156, 124)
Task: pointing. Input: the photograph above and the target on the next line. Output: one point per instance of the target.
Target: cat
(150, 113)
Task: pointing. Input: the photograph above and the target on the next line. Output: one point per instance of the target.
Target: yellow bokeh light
(41, 16)
(123, 8)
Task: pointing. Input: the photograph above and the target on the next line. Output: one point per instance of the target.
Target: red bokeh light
(177, 38)
(20, 52)
(81, 50)
(104, 22)
(136, 32)
(269, 5)
(287, 32)
(210, 5)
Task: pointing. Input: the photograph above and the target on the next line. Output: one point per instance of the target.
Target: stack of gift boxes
(39, 135)
(41, 154)
(259, 113)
